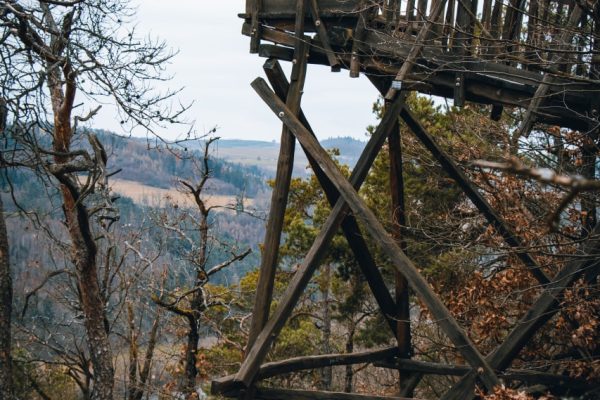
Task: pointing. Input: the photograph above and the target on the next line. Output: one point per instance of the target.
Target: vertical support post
(486, 14)
(285, 165)
(398, 219)
(448, 25)
(255, 9)
(410, 12)
(460, 45)
(359, 33)
(422, 10)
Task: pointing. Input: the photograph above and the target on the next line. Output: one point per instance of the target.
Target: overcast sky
(216, 68)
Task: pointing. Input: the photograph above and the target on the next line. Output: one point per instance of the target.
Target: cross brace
(445, 320)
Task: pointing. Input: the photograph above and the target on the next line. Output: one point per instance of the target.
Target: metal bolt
(281, 114)
(294, 61)
(318, 22)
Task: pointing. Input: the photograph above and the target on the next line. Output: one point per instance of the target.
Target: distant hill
(162, 168)
(264, 154)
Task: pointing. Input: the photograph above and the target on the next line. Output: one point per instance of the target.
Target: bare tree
(194, 302)
(52, 53)
(6, 387)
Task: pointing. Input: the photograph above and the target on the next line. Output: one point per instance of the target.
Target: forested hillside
(141, 160)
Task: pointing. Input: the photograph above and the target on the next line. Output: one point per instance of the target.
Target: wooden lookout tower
(540, 57)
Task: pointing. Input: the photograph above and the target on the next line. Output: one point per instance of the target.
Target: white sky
(215, 68)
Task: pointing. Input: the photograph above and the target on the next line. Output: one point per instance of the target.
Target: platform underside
(464, 62)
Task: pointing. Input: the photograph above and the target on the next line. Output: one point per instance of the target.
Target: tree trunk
(326, 374)
(83, 245)
(191, 371)
(6, 385)
(349, 371)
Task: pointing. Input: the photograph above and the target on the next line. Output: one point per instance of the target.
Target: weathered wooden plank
(473, 194)
(257, 353)
(285, 165)
(410, 10)
(278, 394)
(512, 26)
(545, 307)
(295, 364)
(256, 6)
(461, 37)
(358, 35)
(398, 218)
(445, 320)
(334, 63)
(229, 387)
(350, 227)
(422, 10)
(529, 376)
(425, 367)
(486, 14)
(448, 24)
(288, 7)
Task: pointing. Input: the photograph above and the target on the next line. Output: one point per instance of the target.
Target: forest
(479, 278)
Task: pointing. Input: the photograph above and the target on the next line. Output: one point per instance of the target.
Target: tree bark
(326, 373)
(193, 337)
(83, 246)
(349, 376)
(6, 383)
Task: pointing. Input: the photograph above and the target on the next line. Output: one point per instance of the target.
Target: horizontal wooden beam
(486, 83)
(228, 386)
(399, 260)
(528, 376)
(326, 360)
(278, 394)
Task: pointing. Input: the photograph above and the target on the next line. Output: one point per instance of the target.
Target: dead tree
(193, 302)
(51, 53)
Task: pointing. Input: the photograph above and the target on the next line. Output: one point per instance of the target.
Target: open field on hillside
(157, 197)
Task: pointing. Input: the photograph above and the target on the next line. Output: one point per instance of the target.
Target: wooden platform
(479, 59)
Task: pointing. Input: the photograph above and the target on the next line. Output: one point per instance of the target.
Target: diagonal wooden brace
(400, 261)
(473, 194)
(257, 353)
(350, 227)
(545, 307)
